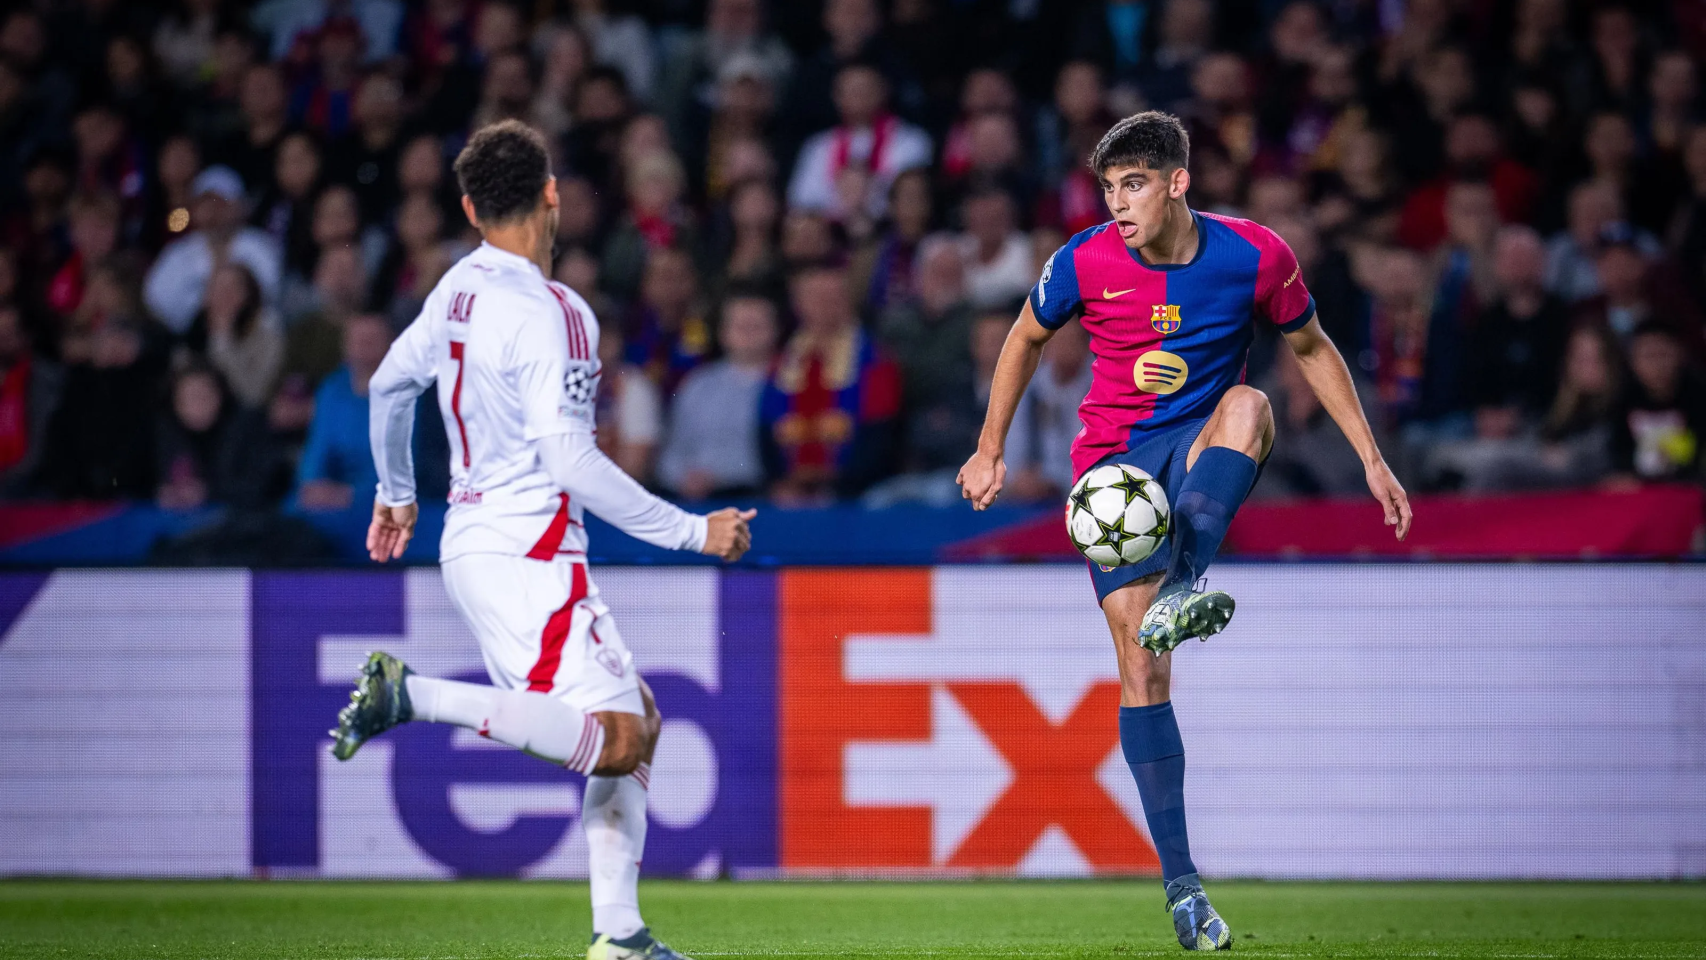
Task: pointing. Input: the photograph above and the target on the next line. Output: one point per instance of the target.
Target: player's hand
(981, 478)
(392, 529)
(727, 534)
(1391, 495)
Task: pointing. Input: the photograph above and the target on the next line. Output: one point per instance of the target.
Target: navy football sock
(1210, 495)
(1149, 737)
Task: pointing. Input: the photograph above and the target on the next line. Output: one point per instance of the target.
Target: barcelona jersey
(1169, 339)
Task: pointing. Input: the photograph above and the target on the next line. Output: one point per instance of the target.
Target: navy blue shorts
(1163, 455)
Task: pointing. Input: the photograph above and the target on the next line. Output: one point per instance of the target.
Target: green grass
(286, 919)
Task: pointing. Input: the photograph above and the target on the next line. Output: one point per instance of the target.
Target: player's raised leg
(1221, 468)
(388, 693)
(1155, 752)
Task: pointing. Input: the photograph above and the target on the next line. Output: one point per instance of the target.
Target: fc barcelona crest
(1164, 317)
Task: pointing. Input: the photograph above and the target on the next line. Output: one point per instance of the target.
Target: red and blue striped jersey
(1169, 340)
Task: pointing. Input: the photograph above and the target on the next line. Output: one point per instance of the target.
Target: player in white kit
(515, 357)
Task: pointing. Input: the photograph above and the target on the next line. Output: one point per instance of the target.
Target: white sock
(613, 811)
(543, 726)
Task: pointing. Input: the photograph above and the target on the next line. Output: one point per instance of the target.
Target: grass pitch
(415, 921)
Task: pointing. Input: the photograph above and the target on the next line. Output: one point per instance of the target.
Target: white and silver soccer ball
(1117, 515)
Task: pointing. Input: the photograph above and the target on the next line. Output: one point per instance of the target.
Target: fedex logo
(921, 729)
(431, 800)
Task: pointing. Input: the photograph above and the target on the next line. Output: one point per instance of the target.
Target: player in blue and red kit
(1170, 297)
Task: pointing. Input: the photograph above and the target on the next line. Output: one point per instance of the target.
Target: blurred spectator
(654, 220)
(734, 133)
(566, 56)
(414, 262)
(882, 268)
(734, 42)
(1571, 272)
(712, 448)
(178, 280)
(1310, 456)
(337, 223)
(183, 42)
(1688, 229)
(985, 92)
(210, 450)
(94, 235)
(265, 104)
(807, 239)
(827, 420)
(1183, 36)
(622, 41)
(668, 334)
(1660, 422)
(506, 90)
(749, 251)
(997, 253)
(367, 159)
(941, 432)
(630, 409)
(314, 345)
(323, 96)
(1472, 154)
(1066, 136)
(930, 336)
(175, 167)
(29, 394)
(1517, 343)
(100, 441)
(870, 146)
(336, 463)
(1039, 444)
(288, 23)
(855, 36)
(1633, 291)
(286, 207)
(245, 341)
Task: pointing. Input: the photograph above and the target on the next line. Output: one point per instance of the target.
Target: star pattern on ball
(1113, 534)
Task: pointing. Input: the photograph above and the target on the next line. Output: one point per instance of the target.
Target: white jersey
(515, 356)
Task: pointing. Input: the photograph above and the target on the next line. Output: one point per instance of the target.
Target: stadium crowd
(806, 228)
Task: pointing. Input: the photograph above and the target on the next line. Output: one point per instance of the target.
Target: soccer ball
(1117, 515)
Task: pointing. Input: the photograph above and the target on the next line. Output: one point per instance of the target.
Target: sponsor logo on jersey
(1164, 317)
(1159, 371)
(461, 307)
(1115, 294)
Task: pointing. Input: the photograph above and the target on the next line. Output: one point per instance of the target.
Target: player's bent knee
(1247, 405)
(626, 742)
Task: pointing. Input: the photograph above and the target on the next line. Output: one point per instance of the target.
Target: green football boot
(640, 946)
(380, 702)
(1181, 614)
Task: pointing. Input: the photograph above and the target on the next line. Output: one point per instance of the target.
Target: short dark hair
(503, 170)
(1149, 139)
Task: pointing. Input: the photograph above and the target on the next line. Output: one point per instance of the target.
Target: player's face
(1138, 196)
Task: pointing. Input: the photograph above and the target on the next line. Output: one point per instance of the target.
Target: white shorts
(542, 627)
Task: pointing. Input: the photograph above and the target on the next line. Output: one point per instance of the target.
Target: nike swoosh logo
(1107, 295)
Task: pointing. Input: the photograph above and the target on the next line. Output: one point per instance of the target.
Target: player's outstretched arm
(983, 475)
(402, 377)
(574, 461)
(1328, 376)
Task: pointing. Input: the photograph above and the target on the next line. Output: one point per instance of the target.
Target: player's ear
(551, 200)
(468, 211)
(1178, 182)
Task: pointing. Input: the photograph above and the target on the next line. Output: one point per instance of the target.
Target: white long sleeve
(575, 463)
(402, 377)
